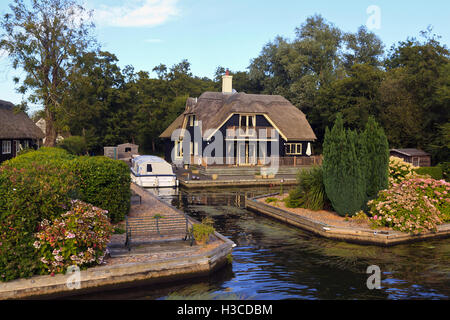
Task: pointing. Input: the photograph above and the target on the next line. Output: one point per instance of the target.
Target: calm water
(276, 261)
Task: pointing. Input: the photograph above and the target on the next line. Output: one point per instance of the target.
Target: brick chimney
(227, 82)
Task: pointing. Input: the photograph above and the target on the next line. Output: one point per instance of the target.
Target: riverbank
(339, 229)
(150, 263)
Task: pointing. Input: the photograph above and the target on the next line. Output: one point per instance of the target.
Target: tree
(364, 47)
(44, 39)
(377, 166)
(343, 174)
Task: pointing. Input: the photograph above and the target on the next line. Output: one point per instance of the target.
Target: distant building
(17, 131)
(122, 152)
(249, 121)
(416, 157)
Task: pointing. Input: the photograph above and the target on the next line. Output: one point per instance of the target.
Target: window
(128, 149)
(26, 144)
(293, 148)
(246, 122)
(149, 168)
(6, 147)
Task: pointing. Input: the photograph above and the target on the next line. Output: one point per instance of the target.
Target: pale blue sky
(209, 33)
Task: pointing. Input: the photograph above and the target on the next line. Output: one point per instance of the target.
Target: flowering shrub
(79, 238)
(413, 205)
(399, 170)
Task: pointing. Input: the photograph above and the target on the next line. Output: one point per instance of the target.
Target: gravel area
(324, 216)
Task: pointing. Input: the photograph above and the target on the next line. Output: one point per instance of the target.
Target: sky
(229, 33)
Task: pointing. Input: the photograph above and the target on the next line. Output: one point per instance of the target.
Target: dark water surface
(275, 261)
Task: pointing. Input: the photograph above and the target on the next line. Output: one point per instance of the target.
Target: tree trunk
(50, 130)
(153, 145)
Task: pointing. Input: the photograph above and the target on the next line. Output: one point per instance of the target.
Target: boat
(152, 172)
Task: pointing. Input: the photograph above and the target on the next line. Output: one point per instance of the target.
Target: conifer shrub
(377, 158)
(343, 175)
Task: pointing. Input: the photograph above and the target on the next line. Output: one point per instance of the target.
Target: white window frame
(6, 147)
(296, 147)
(246, 130)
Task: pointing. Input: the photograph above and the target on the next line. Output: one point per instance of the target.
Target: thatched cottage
(246, 121)
(17, 131)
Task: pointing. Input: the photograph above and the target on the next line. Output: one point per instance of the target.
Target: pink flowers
(79, 237)
(414, 205)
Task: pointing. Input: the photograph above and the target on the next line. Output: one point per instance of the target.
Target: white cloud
(137, 13)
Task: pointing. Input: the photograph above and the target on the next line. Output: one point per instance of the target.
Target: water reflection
(276, 261)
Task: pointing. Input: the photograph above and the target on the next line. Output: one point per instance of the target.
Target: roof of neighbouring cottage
(411, 152)
(213, 109)
(16, 124)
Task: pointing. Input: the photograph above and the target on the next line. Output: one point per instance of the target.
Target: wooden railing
(236, 131)
(282, 161)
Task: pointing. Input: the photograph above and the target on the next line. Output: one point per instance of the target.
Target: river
(275, 261)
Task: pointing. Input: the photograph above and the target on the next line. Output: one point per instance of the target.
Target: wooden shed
(122, 151)
(416, 157)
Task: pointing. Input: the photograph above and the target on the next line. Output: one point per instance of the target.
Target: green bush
(343, 169)
(445, 166)
(433, 172)
(74, 145)
(377, 158)
(310, 191)
(104, 183)
(28, 195)
(78, 238)
(202, 231)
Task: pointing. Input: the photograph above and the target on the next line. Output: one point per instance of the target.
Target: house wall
(233, 121)
(7, 156)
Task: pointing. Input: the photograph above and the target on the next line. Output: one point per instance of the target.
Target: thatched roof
(213, 109)
(16, 125)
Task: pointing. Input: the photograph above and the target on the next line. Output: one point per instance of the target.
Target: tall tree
(377, 166)
(44, 39)
(343, 175)
(363, 47)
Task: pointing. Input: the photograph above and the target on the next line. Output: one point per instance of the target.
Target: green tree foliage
(75, 145)
(43, 38)
(343, 174)
(377, 158)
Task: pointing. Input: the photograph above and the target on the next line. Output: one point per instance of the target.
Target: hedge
(104, 183)
(27, 196)
(39, 185)
(433, 172)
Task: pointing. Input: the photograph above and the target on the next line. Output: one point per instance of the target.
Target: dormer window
(246, 122)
